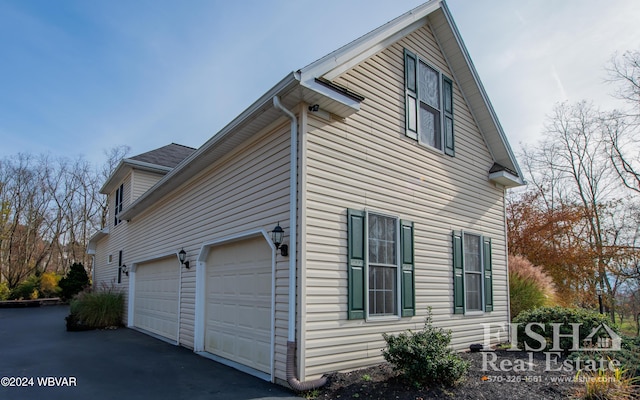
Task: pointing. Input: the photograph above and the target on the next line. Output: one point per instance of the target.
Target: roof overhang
(506, 179)
(254, 119)
(124, 167)
(93, 242)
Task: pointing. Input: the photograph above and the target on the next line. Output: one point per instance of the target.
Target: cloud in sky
(78, 77)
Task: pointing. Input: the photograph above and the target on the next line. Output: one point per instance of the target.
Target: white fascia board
(351, 54)
(325, 91)
(482, 91)
(506, 179)
(93, 241)
(119, 173)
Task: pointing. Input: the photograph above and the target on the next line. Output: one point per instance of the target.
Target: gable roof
(160, 160)
(167, 156)
(309, 85)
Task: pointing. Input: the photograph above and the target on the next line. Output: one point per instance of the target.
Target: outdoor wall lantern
(124, 269)
(599, 293)
(276, 236)
(182, 256)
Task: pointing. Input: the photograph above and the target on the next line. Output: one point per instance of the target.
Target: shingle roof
(167, 156)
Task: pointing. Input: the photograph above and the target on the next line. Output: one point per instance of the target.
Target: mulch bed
(381, 382)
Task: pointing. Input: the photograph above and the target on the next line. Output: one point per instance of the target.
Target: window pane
(382, 290)
(472, 253)
(473, 291)
(382, 239)
(430, 126)
(428, 86)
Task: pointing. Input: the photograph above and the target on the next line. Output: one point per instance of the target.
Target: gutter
(292, 379)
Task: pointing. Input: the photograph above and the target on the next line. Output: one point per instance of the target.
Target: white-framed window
(428, 104)
(472, 273)
(383, 290)
(380, 266)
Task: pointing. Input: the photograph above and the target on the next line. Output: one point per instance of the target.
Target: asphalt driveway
(117, 364)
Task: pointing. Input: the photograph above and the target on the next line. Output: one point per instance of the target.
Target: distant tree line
(579, 217)
(49, 209)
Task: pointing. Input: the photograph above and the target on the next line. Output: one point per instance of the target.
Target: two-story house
(383, 165)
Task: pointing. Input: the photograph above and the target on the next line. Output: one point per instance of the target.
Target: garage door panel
(156, 302)
(238, 303)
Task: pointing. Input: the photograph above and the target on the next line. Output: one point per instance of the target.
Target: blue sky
(79, 77)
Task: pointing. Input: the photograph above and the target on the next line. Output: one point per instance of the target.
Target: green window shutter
(449, 140)
(488, 274)
(411, 94)
(408, 269)
(458, 273)
(356, 253)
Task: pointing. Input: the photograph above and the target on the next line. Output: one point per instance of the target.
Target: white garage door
(156, 294)
(238, 303)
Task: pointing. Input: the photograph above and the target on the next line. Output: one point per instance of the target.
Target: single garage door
(156, 294)
(238, 303)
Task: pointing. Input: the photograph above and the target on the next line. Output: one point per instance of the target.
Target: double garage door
(237, 301)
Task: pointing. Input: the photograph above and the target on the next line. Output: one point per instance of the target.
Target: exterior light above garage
(277, 234)
(182, 256)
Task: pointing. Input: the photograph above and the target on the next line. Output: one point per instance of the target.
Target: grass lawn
(628, 327)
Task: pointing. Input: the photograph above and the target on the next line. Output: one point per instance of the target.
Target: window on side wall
(380, 267)
(472, 273)
(118, 204)
(428, 104)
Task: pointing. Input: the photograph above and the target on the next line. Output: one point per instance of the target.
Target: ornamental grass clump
(424, 357)
(99, 309)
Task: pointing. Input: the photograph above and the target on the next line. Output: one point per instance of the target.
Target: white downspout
(294, 382)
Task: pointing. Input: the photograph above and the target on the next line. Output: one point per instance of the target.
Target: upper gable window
(428, 104)
(118, 204)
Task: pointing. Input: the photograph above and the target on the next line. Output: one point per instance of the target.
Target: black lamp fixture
(182, 256)
(124, 269)
(599, 294)
(314, 108)
(277, 234)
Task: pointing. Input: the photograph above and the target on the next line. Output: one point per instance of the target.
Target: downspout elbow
(293, 381)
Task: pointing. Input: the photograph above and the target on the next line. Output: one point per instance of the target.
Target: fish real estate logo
(601, 338)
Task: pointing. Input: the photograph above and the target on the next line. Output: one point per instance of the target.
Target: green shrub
(4, 291)
(529, 286)
(28, 289)
(546, 316)
(74, 282)
(425, 357)
(98, 309)
(49, 284)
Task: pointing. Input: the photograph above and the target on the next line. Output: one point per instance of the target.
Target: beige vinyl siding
(366, 162)
(246, 190)
(142, 181)
(106, 274)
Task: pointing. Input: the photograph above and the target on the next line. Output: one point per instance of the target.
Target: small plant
(311, 394)
(27, 289)
(608, 384)
(99, 309)
(425, 357)
(366, 378)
